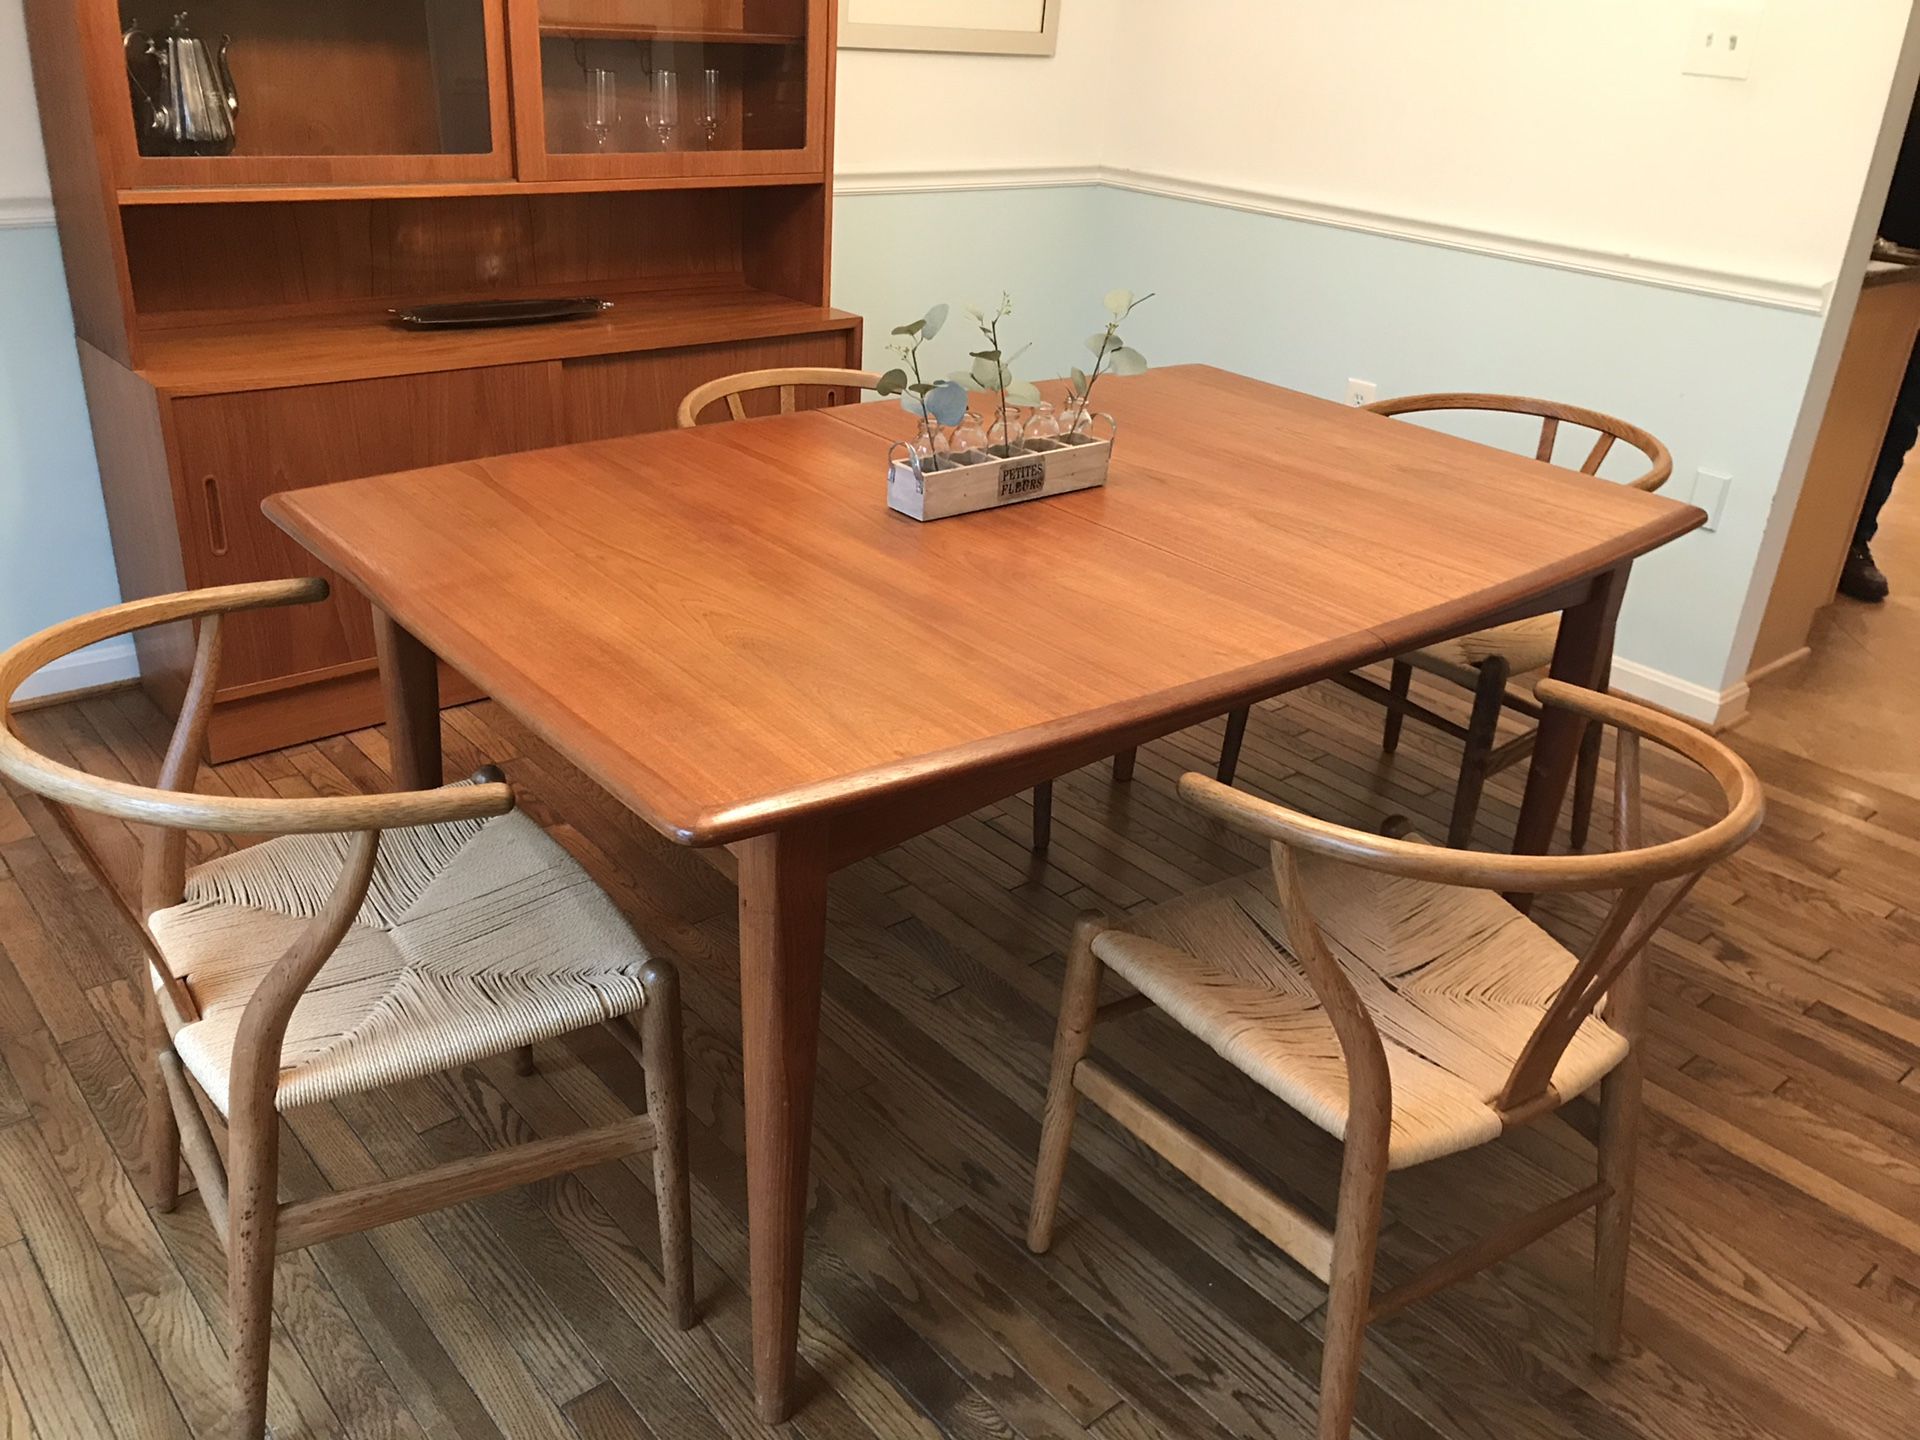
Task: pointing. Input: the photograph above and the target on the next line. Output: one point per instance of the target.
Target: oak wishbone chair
(731, 387)
(1485, 662)
(1385, 990)
(379, 939)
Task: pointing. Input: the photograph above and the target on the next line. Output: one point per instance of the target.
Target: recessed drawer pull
(216, 516)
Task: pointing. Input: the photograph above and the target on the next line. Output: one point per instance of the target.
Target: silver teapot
(184, 102)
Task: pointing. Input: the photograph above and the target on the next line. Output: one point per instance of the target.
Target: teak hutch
(672, 156)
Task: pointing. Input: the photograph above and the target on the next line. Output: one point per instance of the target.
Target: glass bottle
(1043, 423)
(969, 434)
(1006, 430)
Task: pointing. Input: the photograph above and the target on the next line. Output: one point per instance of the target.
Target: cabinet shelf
(418, 190)
(280, 351)
(610, 30)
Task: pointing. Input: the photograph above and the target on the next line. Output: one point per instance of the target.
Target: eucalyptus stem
(926, 416)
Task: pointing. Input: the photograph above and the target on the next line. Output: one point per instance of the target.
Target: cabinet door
(612, 89)
(604, 396)
(235, 450)
(329, 93)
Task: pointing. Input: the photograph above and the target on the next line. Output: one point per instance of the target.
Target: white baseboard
(1716, 709)
(107, 663)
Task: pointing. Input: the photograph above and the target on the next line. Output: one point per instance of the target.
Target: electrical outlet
(1362, 392)
(1720, 42)
(1710, 491)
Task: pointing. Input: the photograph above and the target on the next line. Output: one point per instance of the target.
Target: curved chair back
(731, 387)
(1651, 880)
(1552, 415)
(170, 804)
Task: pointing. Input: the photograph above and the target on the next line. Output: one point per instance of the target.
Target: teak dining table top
(728, 630)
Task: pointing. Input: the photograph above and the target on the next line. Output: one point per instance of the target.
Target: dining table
(727, 629)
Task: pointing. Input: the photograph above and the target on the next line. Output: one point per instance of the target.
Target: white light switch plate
(1710, 491)
(1720, 42)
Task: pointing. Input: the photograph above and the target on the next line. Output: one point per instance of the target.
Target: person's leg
(1861, 578)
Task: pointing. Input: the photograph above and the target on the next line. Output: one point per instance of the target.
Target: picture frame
(966, 27)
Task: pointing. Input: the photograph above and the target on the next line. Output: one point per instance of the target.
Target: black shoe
(1861, 579)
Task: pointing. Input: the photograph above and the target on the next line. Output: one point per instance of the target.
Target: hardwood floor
(1775, 1284)
(1851, 697)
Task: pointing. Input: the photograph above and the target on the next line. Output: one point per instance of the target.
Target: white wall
(23, 171)
(1568, 122)
(906, 112)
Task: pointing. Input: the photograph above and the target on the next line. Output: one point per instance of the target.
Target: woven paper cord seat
(1457, 981)
(475, 938)
(1525, 645)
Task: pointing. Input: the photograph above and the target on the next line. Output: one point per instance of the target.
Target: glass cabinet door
(238, 92)
(610, 88)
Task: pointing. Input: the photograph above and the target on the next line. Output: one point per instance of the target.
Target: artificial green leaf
(1127, 361)
(1080, 384)
(914, 329)
(914, 404)
(976, 312)
(935, 322)
(892, 383)
(989, 374)
(1024, 392)
(1100, 344)
(1119, 302)
(984, 354)
(920, 389)
(947, 403)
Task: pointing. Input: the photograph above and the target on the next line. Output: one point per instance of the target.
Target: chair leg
(660, 1048)
(1230, 747)
(1042, 815)
(523, 1061)
(1482, 730)
(1079, 998)
(253, 1213)
(1400, 684)
(162, 1140)
(1613, 1222)
(1586, 778)
(1356, 1240)
(1123, 767)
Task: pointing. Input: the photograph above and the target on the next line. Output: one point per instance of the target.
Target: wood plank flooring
(1776, 1280)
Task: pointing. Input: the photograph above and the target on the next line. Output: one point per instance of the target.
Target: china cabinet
(233, 300)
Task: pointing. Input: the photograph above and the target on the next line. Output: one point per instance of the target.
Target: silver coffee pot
(184, 102)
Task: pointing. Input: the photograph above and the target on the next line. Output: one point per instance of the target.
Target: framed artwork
(980, 27)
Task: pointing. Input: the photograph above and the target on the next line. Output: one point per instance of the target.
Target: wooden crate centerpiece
(978, 480)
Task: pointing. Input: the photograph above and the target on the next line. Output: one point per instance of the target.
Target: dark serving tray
(476, 314)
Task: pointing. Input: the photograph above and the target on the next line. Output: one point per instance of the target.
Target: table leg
(410, 679)
(783, 927)
(1583, 656)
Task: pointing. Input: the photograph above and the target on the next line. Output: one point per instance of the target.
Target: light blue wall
(1308, 306)
(894, 256)
(55, 558)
